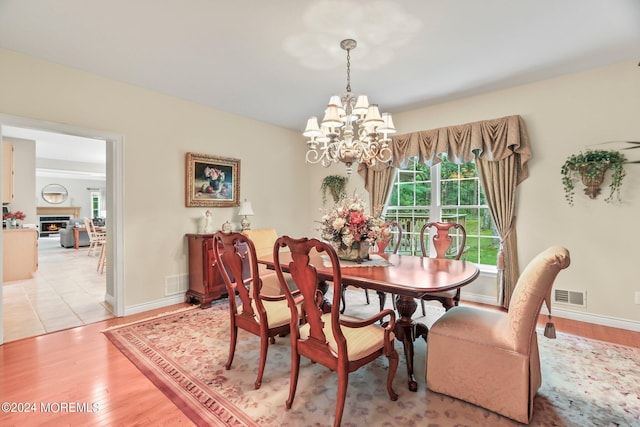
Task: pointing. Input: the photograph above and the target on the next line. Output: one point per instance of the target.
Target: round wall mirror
(54, 193)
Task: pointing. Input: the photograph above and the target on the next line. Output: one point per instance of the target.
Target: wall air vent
(563, 296)
(177, 284)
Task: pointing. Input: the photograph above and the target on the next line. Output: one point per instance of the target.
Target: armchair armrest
(351, 323)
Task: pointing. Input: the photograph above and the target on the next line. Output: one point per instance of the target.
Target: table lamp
(245, 210)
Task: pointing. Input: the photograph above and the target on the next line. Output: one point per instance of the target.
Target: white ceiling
(279, 61)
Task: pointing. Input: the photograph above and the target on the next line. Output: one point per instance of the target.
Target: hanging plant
(335, 184)
(590, 167)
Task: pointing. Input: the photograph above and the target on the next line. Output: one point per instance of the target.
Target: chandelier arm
(315, 156)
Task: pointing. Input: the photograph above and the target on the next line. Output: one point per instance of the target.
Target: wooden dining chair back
(442, 241)
(392, 241)
(96, 238)
(261, 315)
(342, 344)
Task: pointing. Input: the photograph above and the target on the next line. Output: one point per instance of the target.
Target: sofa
(66, 234)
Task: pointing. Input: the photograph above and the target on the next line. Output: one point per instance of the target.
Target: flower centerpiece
(13, 217)
(349, 230)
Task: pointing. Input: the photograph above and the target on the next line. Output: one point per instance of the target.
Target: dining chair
(265, 316)
(96, 238)
(442, 241)
(393, 238)
(341, 343)
(102, 260)
(489, 357)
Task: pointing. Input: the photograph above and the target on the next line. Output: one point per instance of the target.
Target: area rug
(585, 382)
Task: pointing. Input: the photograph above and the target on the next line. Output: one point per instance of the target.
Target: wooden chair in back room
(96, 238)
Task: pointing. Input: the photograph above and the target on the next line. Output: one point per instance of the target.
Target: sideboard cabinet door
(205, 282)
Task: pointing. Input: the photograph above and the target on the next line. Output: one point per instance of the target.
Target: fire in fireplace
(51, 225)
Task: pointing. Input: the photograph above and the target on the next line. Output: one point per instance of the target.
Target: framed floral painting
(212, 181)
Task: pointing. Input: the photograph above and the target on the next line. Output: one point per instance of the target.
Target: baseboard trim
(596, 319)
(482, 299)
(580, 316)
(164, 302)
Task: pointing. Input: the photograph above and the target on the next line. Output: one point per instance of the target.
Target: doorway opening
(113, 200)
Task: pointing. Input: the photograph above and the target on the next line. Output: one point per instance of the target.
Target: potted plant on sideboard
(590, 167)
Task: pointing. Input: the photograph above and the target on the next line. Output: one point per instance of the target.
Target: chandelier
(352, 130)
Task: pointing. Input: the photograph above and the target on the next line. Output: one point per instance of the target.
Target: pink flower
(14, 215)
(357, 218)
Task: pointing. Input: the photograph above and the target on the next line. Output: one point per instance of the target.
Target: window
(96, 205)
(445, 192)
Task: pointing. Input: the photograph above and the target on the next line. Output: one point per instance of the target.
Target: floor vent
(177, 284)
(563, 296)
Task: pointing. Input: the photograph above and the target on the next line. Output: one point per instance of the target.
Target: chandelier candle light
(352, 130)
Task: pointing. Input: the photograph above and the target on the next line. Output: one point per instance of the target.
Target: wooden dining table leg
(407, 330)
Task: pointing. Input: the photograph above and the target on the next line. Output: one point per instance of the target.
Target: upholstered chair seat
(361, 341)
(278, 313)
(488, 357)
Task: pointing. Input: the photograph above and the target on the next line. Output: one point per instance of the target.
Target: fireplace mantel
(74, 211)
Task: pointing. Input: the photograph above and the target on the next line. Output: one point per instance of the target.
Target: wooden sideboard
(19, 253)
(205, 281)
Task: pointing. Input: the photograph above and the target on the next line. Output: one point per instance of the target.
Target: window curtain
(501, 150)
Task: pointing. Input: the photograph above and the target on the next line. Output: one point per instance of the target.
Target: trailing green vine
(335, 184)
(590, 167)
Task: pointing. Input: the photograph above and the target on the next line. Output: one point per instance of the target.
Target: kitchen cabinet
(19, 253)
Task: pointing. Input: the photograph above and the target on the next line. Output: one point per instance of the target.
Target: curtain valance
(491, 140)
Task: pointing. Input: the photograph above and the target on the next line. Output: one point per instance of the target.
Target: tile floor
(65, 292)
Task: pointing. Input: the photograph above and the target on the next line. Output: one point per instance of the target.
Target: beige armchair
(264, 239)
(490, 358)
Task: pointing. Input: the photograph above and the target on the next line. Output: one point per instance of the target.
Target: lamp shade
(312, 128)
(245, 208)
(362, 105)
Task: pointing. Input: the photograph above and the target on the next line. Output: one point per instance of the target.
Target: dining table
(406, 276)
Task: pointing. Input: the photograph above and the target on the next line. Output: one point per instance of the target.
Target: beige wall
(564, 115)
(158, 130)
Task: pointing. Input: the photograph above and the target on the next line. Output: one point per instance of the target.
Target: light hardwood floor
(66, 291)
(81, 365)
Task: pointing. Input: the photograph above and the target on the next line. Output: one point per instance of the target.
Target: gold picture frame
(212, 181)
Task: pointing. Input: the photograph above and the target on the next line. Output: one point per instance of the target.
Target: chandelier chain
(348, 70)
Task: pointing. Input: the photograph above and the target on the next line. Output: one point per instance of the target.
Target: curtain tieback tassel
(500, 261)
(550, 329)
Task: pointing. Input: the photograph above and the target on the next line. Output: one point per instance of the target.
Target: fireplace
(51, 225)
